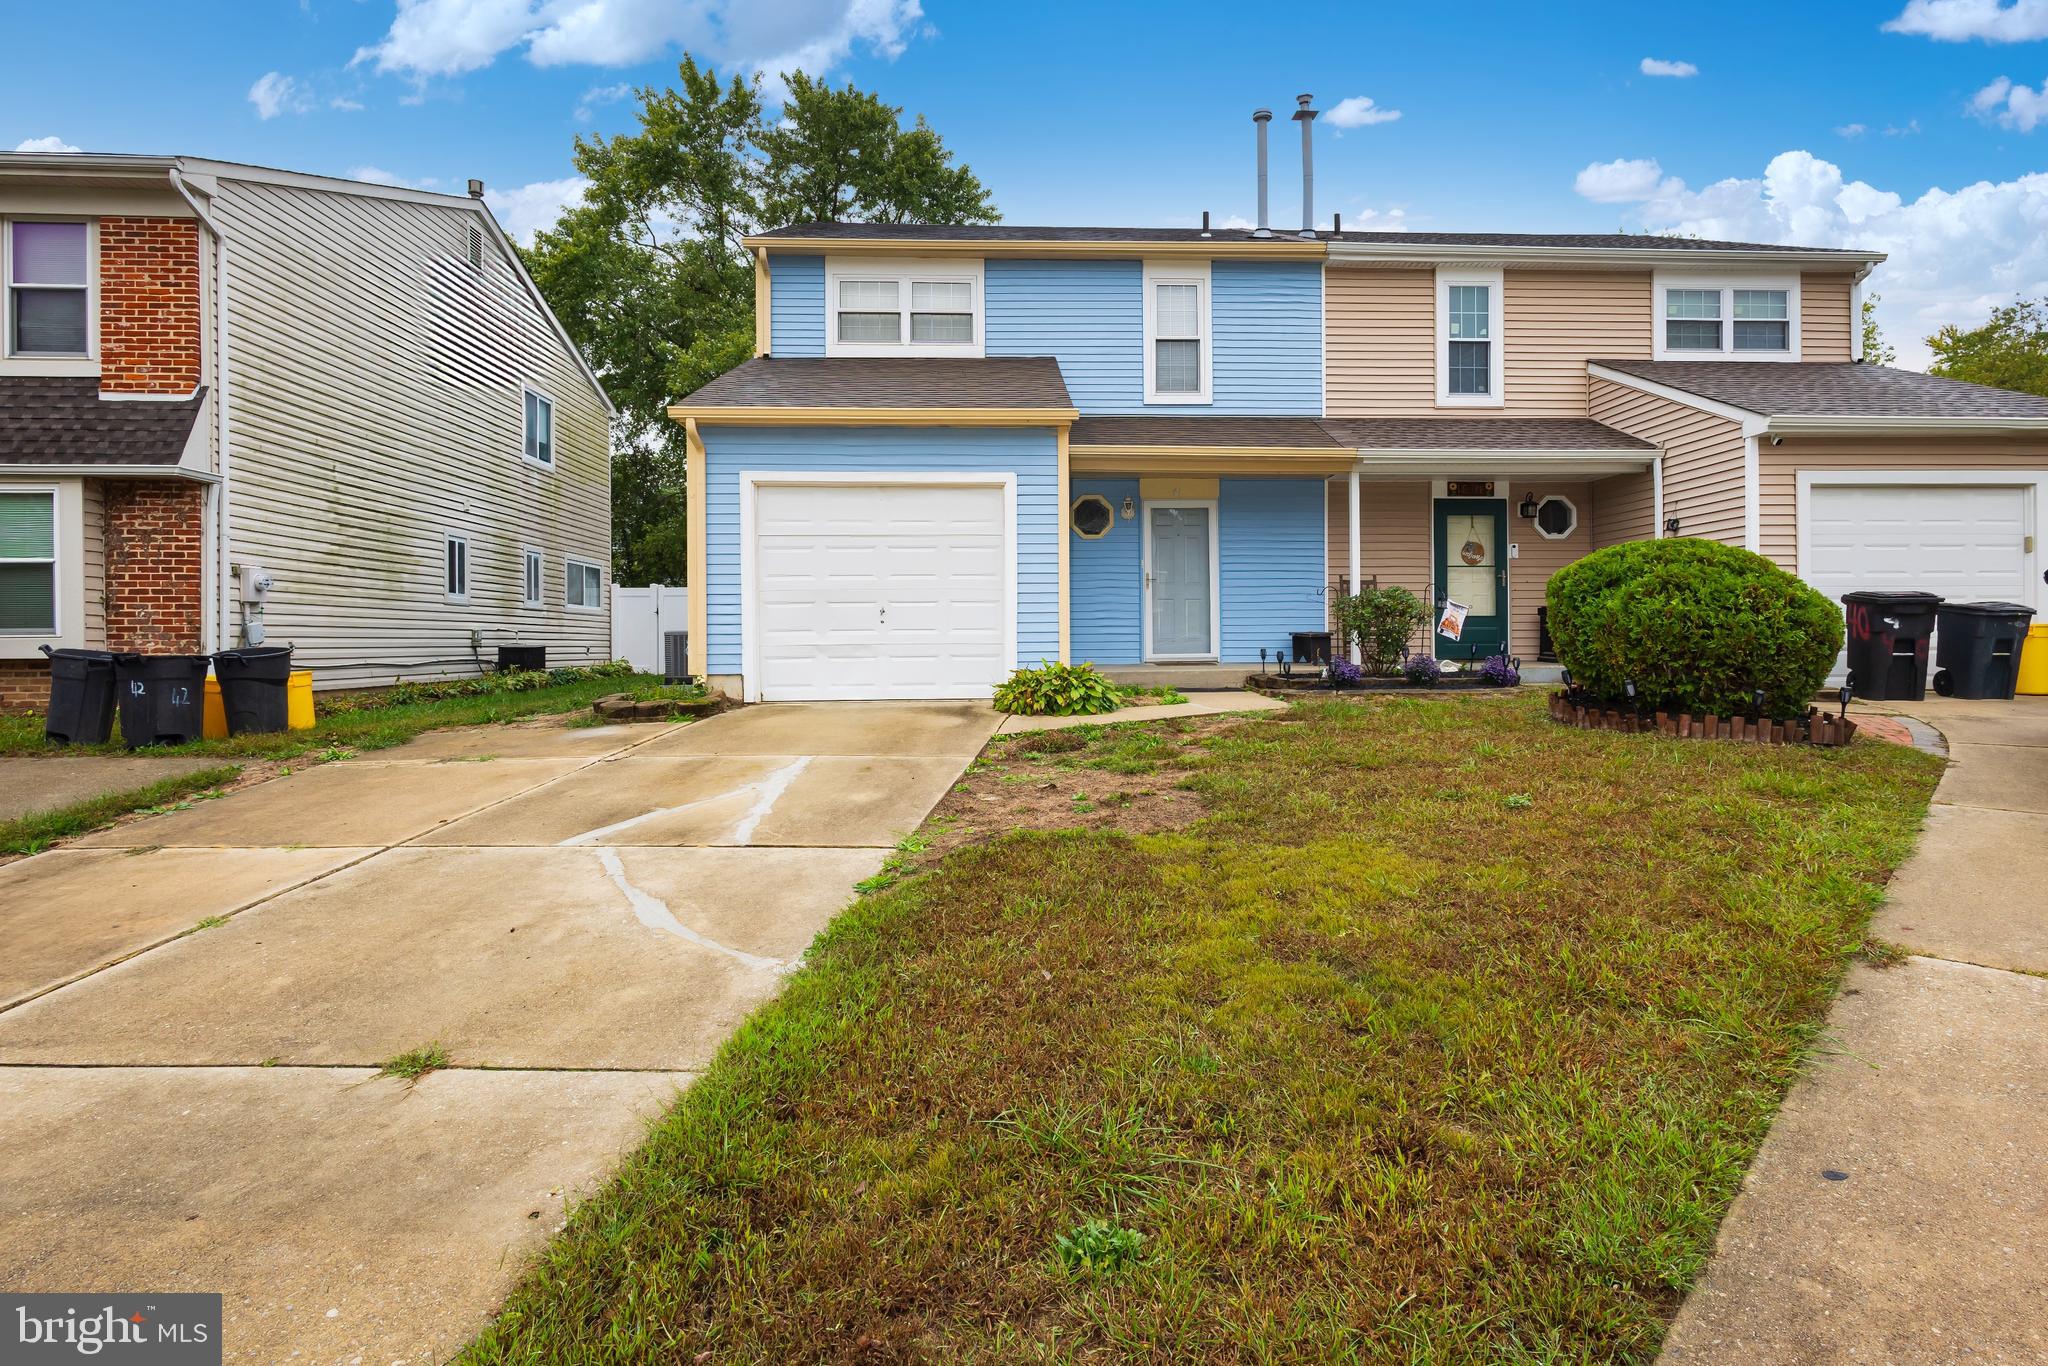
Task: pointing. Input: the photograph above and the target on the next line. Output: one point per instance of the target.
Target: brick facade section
(24, 685)
(155, 567)
(149, 305)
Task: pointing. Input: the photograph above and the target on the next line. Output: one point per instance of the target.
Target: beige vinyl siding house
(1702, 457)
(1827, 317)
(1624, 509)
(378, 408)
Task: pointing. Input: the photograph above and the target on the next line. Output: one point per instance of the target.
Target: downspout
(221, 543)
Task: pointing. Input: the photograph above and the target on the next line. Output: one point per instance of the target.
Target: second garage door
(880, 591)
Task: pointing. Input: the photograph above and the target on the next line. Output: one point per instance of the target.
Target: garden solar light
(1844, 694)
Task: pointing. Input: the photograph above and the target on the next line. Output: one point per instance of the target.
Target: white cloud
(345, 104)
(1954, 254)
(2023, 107)
(48, 144)
(1623, 181)
(276, 93)
(1958, 21)
(377, 175)
(525, 209)
(1359, 112)
(430, 38)
(602, 94)
(1657, 66)
(1852, 130)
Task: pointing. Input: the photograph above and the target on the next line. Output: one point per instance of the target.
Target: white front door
(1180, 580)
(887, 590)
(1967, 542)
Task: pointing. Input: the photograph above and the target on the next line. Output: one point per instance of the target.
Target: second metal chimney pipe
(1262, 117)
(1306, 117)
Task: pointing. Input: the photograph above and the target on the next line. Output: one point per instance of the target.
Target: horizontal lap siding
(1088, 315)
(1394, 535)
(1381, 343)
(1106, 582)
(1538, 557)
(1267, 317)
(1826, 317)
(1031, 454)
(1624, 509)
(1702, 457)
(1779, 466)
(377, 407)
(796, 297)
(1271, 563)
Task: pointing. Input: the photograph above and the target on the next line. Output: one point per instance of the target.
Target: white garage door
(880, 591)
(1966, 542)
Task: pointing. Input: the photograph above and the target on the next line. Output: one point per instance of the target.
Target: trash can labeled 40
(1888, 634)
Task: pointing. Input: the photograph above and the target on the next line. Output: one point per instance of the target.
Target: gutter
(1366, 253)
(87, 471)
(222, 547)
(1821, 424)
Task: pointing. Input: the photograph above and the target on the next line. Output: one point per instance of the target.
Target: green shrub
(1382, 621)
(1058, 690)
(1697, 627)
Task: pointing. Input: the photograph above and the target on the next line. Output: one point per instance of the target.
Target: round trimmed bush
(1697, 626)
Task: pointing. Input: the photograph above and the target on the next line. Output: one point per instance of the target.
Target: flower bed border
(1814, 728)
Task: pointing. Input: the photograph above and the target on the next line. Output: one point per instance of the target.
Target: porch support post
(1351, 494)
(1066, 500)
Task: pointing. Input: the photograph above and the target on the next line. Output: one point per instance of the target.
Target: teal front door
(1472, 570)
(1179, 580)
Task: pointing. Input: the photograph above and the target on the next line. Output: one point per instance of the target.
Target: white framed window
(455, 568)
(47, 266)
(28, 561)
(1726, 317)
(1178, 364)
(529, 577)
(898, 308)
(1470, 368)
(539, 447)
(583, 585)
(1557, 517)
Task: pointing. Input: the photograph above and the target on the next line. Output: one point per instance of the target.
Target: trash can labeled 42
(162, 698)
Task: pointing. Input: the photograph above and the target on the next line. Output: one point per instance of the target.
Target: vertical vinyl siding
(1267, 317)
(1381, 339)
(1088, 315)
(1779, 466)
(1029, 453)
(1826, 317)
(1271, 563)
(377, 407)
(1702, 457)
(94, 577)
(796, 297)
(1624, 509)
(1106, 582)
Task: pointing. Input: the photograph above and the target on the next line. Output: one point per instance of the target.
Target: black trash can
(1310, 647)
(1888, 634)
(1977, 653)
(162, 698)
(81, 697)
(254, 688)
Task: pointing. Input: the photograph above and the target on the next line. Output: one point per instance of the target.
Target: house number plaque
(1470, 488)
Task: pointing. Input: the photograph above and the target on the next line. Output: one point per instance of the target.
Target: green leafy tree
(1876, 350)
(2008, 352)
(650, 274)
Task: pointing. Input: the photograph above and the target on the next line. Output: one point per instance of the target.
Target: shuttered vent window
(540, 428)
(1471, 338)
(529, 590)
(585, 585)
(1762, 321)
(455, 569)
(941, 311)
(473, 245)
(870, 311)
(28, 562)
(1177, 338)
(1692, 320)
(48, 295)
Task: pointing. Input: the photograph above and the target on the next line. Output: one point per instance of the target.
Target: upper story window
(877, 308)
(1727, 318)
(540, 428)
(1468, 338)
(49, 288)
(1177, 349)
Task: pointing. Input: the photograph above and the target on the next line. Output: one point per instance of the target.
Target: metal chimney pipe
(1262, 117)
(1306, 117)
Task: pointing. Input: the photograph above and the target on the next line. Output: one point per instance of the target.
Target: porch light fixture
(1130, 508)
(1528, 507)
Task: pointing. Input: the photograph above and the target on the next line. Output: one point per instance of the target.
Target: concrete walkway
(30, 783)
(193, 1006)
(1898, 1211)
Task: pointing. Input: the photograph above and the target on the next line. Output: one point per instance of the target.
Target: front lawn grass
(1372, 1062)
(38, 830)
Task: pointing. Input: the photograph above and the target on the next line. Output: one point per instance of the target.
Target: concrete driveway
(1898, 1208)
(579, 916)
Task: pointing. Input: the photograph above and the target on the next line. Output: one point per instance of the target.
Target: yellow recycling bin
(2034, 662)
(298, 705)
(213, 718)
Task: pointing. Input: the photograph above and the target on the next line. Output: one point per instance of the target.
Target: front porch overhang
(1380, 465)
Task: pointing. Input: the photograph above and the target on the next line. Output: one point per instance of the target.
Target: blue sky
(1908, 125)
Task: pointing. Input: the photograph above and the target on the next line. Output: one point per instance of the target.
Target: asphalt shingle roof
(1006, 232)
(1831, 389)
(888, 382)
(46, 420)
(1481, 434)
(1239, 432)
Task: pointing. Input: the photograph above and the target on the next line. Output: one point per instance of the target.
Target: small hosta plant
(1098, 1248)
(1058, 690)
(1422, 671)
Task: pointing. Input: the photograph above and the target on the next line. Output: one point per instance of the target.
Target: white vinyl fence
(640, 617)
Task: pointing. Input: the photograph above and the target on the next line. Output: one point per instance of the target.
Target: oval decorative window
(1556, 517)
(1093, 516)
